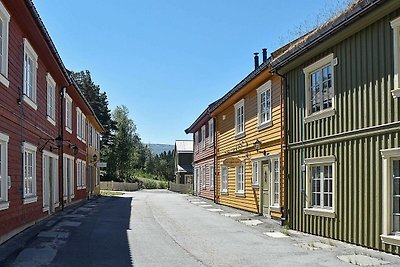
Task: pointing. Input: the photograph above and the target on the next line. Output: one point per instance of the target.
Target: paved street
(160, 228)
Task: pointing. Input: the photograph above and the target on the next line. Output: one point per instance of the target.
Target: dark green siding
(366, 121)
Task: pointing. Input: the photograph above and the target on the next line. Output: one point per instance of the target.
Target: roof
(241, 84)
(49, 41)
(204, 114)
(183, 146)
(185, 168)
(287, 53)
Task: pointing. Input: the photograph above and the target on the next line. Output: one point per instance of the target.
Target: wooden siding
(23, 124)
(366, 121)
(204, 157)
(229, 146)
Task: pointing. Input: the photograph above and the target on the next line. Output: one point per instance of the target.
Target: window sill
(320, 212)
(29, 102)
(240, 194)
(45, 209)
(4, 80)
(240, 135)
(51, 120)
(255, 186)
(4, 205)
(264, 125)
(391, 239)
(30, 200)
(319, 115)
(396, 92)
(275, 208)
(225, 193)
(68, 129)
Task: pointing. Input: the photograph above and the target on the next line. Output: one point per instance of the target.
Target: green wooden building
(342, 124)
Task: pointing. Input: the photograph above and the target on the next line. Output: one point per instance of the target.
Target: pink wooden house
(203, 155)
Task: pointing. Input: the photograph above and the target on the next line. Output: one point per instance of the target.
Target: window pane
(396, 223)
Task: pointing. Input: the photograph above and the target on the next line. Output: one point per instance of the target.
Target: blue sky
(167, 60)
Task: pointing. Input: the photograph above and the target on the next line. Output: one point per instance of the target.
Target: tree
(99, 103)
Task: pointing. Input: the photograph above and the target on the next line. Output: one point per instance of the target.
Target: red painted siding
(204, 157)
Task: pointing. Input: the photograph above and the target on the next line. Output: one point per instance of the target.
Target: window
(391, 196)
(68, 177)
(240, 179)
(68, 113)
(319, 86)
(50, 181)
(396, 45)
(320, 186)
(98, 136)
(203, 177)
(4, 28)
(81, 174)
(203, 136)
(211, 131)
(30, 71)
(51, 99)
(29, 162)
(275, 183)
(211, 175)
(97, 176)
(196, 141)
(255, 173)
(239, 118)
(224, 179)
(264, 105)
(80, 125)
(4, 204)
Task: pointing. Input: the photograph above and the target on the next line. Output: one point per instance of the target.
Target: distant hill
(159, 148)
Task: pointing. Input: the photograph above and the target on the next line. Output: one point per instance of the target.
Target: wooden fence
(180, 188)
(119, 186)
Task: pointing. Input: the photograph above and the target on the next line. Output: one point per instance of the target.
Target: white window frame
(81, 174)
(211, 131)
(203, 137)
(239, 105)
(68, 116)
(68, 158)
(203, 177)
(196, 141)
(395, 24)
(309, 209)
(30, 53)
(255, 177)
(388, 155)
(80, 125)
(265, 88)
(4, 179)
(211, 175)
(55, 185)
(30, 197)
(5, 18)
(275, 173)
(224, 179)
(240, 178)
(324, 113)
(51, 99)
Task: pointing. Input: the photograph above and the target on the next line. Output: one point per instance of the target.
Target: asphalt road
(160, 228)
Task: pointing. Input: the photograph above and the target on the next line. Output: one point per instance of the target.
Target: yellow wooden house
(249, 144)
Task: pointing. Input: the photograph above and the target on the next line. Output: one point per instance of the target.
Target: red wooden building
(203, 154)
(42, 162)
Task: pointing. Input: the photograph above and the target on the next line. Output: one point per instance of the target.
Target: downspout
(214, 156)
(284, 93)
(61, 146)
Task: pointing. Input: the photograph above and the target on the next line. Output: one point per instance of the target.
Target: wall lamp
(257, 146)
(94, 158)
(74, 148)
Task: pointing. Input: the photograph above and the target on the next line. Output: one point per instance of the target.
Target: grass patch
(110, 193)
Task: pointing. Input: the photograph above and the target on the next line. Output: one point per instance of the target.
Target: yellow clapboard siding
(228, 145)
